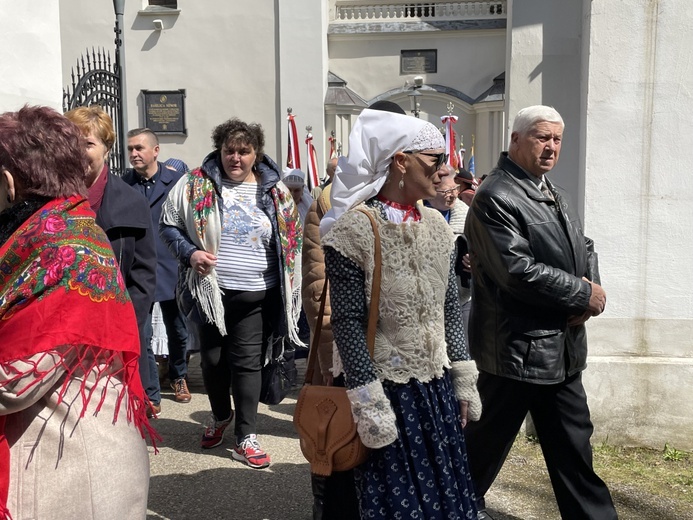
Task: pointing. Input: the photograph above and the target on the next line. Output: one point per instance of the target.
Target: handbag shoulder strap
(372, 312)
(313, 354)
(375, 287)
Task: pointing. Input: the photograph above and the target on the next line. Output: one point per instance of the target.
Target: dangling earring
(401, 182)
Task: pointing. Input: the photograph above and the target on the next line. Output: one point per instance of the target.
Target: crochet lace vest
(410, 338)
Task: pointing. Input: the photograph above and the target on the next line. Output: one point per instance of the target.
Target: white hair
(449, 179)
(530, 116)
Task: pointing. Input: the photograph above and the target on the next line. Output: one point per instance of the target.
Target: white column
(302, 81)
(543, 66)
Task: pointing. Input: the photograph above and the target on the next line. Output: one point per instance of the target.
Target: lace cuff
(375, 420)
(464, 375)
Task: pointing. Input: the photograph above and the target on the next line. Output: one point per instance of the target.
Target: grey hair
(450, 177)
(530, 116)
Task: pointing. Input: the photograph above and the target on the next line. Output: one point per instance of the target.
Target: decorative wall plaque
(423, 61)
(164, 111)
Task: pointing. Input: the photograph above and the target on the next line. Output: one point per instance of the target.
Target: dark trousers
(334, 497)
(563, 425)
(177, 333)
(235, 360)
(149, 377)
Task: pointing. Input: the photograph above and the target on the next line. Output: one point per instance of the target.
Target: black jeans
(178, 338)
(235, 360)
(334, 497)
(562, 420)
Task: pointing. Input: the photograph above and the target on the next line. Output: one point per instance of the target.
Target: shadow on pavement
(185, 436)
(278, 493)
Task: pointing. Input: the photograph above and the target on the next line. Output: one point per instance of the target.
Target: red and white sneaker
(214, 432)
(250, 452)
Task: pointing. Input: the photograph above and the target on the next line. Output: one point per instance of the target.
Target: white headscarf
(374, 139)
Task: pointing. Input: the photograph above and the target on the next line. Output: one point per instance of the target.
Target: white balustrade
(359, 11)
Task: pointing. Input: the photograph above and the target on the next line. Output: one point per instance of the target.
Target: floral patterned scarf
(57, 275)
(192, 207)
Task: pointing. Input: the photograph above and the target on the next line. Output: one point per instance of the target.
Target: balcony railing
(351, 11)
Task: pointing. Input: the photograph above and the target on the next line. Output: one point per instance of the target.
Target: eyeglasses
(441, 158)
(451, 191)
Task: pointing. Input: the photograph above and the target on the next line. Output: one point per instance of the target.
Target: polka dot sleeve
(454, 327)
(349, 317)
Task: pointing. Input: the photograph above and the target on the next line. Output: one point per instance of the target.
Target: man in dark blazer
(535, 282)
(155, 180)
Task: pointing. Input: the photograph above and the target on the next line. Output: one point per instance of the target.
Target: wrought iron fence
(95, 81)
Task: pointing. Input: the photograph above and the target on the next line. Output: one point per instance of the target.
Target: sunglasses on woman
(441, 158)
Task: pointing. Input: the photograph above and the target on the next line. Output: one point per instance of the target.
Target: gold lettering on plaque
(164, 113)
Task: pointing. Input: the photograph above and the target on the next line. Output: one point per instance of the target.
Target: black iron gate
(96, 81)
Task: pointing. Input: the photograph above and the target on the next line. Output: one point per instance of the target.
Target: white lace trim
(428, 138)
(373, 415)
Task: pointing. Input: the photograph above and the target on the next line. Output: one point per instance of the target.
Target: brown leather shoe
(180, 389)
(153, 410)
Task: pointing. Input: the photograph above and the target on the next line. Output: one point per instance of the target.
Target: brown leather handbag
(323, 419)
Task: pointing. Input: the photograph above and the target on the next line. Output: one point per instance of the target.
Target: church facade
(617, 70)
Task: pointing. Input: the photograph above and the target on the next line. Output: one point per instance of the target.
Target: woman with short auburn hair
(124, 215)
(69, 387)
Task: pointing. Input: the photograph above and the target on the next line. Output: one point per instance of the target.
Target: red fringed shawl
(61, 290)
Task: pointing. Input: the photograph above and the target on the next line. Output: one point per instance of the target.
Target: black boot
(318, 484)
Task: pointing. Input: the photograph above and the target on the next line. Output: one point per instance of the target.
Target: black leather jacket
(527, 267)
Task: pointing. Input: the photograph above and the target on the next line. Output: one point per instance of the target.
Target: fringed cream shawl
(192, 207)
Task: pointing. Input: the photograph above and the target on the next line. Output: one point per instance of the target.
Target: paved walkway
(190, 483)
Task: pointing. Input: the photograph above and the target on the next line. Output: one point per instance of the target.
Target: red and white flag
(312, 170)
(333, 146)
(293, 157)
(450, 146)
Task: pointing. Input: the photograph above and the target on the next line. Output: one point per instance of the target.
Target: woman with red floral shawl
(72, 412)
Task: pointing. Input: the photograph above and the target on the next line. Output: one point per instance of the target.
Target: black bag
(462, 248)
(278, 375)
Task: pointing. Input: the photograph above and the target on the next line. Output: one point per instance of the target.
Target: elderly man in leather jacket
(535, 282)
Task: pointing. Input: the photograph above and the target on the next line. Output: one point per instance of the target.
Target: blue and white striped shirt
(247, 253)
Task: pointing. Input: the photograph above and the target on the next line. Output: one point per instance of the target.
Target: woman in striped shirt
(235, 230)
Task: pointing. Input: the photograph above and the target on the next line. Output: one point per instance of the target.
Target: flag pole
(311, 156)
(293, 156)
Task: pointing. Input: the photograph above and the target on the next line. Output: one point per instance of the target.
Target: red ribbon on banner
(293, 157)
(312, 173)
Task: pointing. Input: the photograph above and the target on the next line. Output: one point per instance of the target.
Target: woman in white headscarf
(413, 399)
(295, 180)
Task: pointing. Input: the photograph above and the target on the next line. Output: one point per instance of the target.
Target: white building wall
(303, 74)
(619, 73)
(250, 60)
(468, 61)
(639, 210)
(30, 54)
(544, 67)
